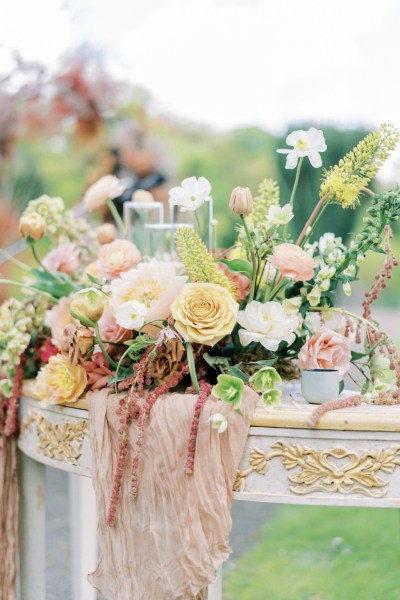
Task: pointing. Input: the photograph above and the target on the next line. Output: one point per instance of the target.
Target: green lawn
(315, 553)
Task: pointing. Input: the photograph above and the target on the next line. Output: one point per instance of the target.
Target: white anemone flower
(191, 194)
(268, 324)
(219, 422)
(305, 143)
(131, 314)
(280, 215)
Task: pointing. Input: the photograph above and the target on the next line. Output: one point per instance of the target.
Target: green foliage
(329, 553)
(199, 263)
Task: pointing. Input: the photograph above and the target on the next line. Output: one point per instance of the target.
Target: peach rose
(292, 262)
(117, 257)
(112, 332)
(32, 225)
(204, 313)
(64, 258)
(59, 382)
(326, 350)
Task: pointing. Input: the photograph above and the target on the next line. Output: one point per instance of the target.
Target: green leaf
(236, 372)
(238, 265)
(215, 361)
(341, 386)
(267, 363)
(357, 355)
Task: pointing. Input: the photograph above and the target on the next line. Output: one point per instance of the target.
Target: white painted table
(351, 459)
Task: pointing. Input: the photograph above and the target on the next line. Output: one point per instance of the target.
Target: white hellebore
(266, 323)
(191, 194)
(278, 215)
(219, 422)
(305, 143)
(131, 314)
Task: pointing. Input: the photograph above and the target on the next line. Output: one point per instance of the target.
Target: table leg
(214, 591)
(83, 518)
(32, 529)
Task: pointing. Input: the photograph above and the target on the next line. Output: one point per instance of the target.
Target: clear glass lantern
(159, 240)
(201, 220)
(139, 214)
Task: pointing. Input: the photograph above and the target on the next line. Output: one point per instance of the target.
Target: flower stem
(312, 217)
(116, 216)
(31, 243)
(296, 182)
(28, 287)
(192, 367)
(198, 222)
(253, 259)
(102, 348)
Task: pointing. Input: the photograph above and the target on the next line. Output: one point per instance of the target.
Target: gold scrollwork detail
(335, 470)
(60, 441)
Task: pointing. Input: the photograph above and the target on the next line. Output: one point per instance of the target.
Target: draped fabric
(8, 516)
(168, 543)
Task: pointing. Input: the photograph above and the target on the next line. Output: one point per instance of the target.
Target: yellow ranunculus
(59, 382)
(204, 313)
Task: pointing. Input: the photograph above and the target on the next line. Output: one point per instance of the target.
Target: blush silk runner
(169, 542)
(8, 516)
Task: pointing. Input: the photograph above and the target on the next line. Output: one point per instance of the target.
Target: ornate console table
(351, 459)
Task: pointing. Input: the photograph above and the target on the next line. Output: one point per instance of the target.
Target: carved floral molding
(61, 442)
(336, 470)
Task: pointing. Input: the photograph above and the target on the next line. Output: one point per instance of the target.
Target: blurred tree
(339, 221)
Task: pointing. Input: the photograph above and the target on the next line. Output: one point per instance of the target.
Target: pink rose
(117, 257)
(292, 262)
(64, 258)
(111, 331)
(326, 350)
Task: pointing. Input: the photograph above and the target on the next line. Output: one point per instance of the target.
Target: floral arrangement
(95, 313)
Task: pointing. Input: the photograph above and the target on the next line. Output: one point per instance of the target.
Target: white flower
(379, 363)
(291, 305)
(324, 285)
(314, 296)
(219, 422)
(131, 314)
(266, 323)
(347, 288)
(305, 143)
(106, 188)
(326, 242)
(326, 273)
(278, 215)
(191, 194)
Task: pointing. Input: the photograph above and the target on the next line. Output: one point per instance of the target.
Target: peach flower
(106, 188)
(64, 258)
(241, 282)
(292, 262)
(97, 371)
(106, 233)
(326, 350)
(111, 331)
(57, 319)
(59, 382)
(155, 284)
(117, 257)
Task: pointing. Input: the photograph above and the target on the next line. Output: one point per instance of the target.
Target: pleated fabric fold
(9, 499)
(168, 543)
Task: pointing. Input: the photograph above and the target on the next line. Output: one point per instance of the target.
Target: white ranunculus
(266, 323)
(219, 422)
(280, 215)
(131, 314)
(305, 143)
(191, 194)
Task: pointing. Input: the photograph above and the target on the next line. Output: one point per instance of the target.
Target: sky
(231, 63)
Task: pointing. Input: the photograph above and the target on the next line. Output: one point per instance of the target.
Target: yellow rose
(204, 313)
(32, 225)
(59, 382)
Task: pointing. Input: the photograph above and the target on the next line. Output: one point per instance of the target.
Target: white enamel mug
(319, 385)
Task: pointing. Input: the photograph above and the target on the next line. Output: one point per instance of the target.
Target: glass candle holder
(159, 240)
(201, 220)
(139, 214)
